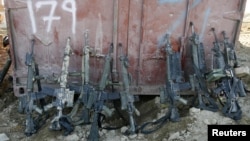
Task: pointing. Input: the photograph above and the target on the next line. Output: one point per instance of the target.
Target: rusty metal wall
(141, 25)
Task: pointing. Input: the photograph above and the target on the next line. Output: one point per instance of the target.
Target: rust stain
(83, 10)
(140, 25)
(175, 45)
(77, 53)
(56, 40)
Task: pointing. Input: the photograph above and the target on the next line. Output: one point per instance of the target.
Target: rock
(213, 121)
(59, 137)
(124, 138)
(206, 121)
(140, 136)
(51, 140)
(112, 138)
(164, 139)
(159, 115)
(72, 137)
(4, 137)
(78, 129)
(241, 71)
(157, 100)
(174, 136)
(132, 136)
(80, 134)
(105, 131)
(87, 133)
(225, 120)
(101, 132)
(193, 111)
(112, 132)
(124, 129)
(4, 124)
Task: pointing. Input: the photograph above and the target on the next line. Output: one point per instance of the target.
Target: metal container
(139, 25)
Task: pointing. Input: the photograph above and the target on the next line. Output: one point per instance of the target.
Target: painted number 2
(67, 5)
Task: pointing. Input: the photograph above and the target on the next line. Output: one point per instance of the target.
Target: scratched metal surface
(141, 26)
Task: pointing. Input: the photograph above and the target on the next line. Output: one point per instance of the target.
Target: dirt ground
(191, 127)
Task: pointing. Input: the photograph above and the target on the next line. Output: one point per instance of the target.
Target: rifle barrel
(215, 37)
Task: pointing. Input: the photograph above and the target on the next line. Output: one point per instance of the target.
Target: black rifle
(229, 52)
(100, 96)
(127, 99)
(174, 81)
(85, 89)
(219, 60)
(227, 85)
(96, 100)
(32, 77)
(205, 101)
(231, 62)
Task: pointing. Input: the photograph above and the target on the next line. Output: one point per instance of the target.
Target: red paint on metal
(141, 26)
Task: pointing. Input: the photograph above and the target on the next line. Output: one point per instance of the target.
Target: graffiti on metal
(67, 6)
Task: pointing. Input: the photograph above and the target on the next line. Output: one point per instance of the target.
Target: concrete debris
(4, 137)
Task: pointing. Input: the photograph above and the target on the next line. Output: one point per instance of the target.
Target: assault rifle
(231, 61)
(86, 89)
(205, 101)
(64, 96)
(28, 101)
(174, 81)
(229, 52)
(227, 85)
(97, 99)
(127, 99)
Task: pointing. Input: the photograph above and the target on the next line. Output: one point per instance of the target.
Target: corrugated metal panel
(141, 24)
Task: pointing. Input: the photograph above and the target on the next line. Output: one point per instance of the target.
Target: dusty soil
(191, 127)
